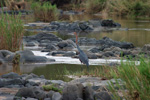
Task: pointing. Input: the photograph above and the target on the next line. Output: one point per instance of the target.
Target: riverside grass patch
(45, 12)
(136, 80)
(11, 32)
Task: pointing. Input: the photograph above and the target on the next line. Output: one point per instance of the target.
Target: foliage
(94, 6)
(45, 12)
(11, 32)
(129, 7)
(52, 87)
(136, 78)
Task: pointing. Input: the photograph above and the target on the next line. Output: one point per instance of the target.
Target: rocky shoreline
(33, 87)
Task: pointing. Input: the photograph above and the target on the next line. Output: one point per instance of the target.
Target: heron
(82, 56)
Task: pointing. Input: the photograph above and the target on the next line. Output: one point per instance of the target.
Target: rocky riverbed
(31, 87)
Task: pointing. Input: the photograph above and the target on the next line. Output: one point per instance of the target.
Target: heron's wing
(83, 58)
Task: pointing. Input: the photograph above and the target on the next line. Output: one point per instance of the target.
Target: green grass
(136, 78)
(11, 33)
(52, 87)
(45, 12)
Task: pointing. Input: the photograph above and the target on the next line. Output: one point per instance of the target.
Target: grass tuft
(45, 12)
(11, 32)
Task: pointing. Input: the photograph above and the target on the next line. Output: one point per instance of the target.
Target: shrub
(11, 32)
(45, 12)
(94, 6)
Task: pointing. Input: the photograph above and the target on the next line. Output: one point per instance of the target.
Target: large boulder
(11, 75)
(109, 23)
(72, 91)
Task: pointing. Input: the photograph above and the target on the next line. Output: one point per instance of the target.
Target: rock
(108, 54)
(84, 26)
(50, 94)
(72, 91)
(109, 23)
(39, 93)
(26, 92)
(57, 96)
(51, 47)
(79, 99)
(103, 96)
(66, 45)
(11, 75)
(30, 44)
(31, 98)
(88, 93)
(1, 61)
(91, 56)
(4, 54)
(62, 53)
(95, 23)
(94, 50)
(47, 99)
(146, 47)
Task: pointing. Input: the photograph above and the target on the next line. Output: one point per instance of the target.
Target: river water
(137, 31)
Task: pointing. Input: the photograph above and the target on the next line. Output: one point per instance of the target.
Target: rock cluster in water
(78, 26)
(104, 47)
(30, 87)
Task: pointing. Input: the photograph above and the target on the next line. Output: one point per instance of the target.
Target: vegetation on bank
(136, 79)
(11, 32)
(45, 12)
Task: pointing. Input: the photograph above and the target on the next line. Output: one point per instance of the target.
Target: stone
(31, 98)
(94, 50)
(108, 54)
(11, 75)
(72, 91)
(50, 94)
(30, 44)
(88, 93)
(57, 96)
(79, 99)
(103, 96)
(47, 98)
(39, 93)
(26, 92)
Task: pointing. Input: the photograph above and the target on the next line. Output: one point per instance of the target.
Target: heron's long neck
(79, 48)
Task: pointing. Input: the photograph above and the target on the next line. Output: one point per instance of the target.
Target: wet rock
(92, 56)
(50, 47)
(108, 54)
(84, 26)
(109, 23)
(30, 44)
(57, 96)
(95, 50)
(95, 23)
(66, 45)
(62, 53)
(1, 61)
(103, 96)
(72, 91)
(10, 75)
(88, 93)
(5, 54)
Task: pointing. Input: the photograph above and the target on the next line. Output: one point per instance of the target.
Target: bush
(11, 32)
(45, 12)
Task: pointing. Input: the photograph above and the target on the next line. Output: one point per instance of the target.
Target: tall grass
(11, 32)
(131, 8)
(45, 12)
(94, 6)
(136, 78)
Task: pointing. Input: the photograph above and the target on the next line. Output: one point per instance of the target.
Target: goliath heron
(82, 56)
